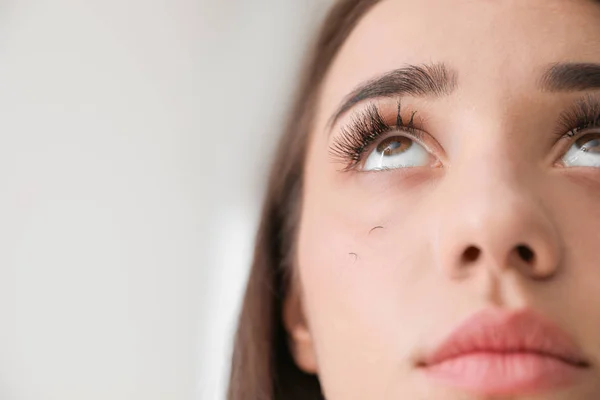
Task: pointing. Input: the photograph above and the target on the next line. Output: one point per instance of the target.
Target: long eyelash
(585, 114)
(362, 131)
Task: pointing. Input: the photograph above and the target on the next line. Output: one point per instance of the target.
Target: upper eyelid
(353, 115)
(417, 134)
(565, 124)
(368, 126)
(356, 117)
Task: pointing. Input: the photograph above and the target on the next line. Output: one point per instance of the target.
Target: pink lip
(497, 352)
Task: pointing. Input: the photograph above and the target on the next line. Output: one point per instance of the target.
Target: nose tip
(523, 240)
(512, 231)
(496, 215)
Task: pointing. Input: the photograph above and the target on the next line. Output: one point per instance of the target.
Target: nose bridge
(489, 192)
(492, 216)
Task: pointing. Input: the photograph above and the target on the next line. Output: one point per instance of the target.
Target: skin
(368, 302)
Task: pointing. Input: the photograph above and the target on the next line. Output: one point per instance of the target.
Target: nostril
(471, 254)
(526, 253)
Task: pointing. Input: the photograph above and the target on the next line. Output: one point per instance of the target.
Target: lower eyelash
(364, 129)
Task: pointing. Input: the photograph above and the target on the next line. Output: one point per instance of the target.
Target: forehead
(496, 46)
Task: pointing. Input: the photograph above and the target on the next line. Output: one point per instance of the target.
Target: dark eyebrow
(571, 77)
(414, 80)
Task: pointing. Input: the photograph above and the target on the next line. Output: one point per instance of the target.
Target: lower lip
(495, 374)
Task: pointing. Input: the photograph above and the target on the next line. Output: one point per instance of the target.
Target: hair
(262, 366)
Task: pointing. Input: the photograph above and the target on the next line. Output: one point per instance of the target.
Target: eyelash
(364, 129)
(368, 126)
(584, 115)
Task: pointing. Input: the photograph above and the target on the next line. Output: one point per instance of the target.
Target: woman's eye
(585, 152)
(397, 152)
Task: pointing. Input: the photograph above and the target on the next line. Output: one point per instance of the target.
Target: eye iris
(589, 145)
(394, 145)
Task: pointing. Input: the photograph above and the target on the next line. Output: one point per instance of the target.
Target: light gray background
(134, 141)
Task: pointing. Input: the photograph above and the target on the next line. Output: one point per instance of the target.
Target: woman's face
(453, 181)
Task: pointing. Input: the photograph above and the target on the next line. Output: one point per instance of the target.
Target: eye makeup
(579, 123)
(582, 125)
(582, 116)
(364, 130)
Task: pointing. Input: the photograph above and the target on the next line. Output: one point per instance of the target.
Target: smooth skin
(367, 303)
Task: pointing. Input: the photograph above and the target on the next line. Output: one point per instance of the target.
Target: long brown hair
(262, 366)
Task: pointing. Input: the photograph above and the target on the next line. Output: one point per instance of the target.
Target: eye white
(397, 152)
(583, 154)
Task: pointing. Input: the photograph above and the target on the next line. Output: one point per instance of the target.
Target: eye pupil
(394, 145)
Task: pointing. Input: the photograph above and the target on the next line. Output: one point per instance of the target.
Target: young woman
(431, 226)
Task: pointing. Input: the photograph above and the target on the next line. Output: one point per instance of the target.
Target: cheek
(360, 264)
(574, 205)
(576, 208)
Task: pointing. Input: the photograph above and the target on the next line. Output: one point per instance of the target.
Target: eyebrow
(426, 80)
(571, 77)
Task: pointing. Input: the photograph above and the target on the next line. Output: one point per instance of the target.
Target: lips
(501, 353)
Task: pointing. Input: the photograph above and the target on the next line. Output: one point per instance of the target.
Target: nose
(497, 222)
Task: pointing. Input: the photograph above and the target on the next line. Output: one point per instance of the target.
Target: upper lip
(503, 332)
